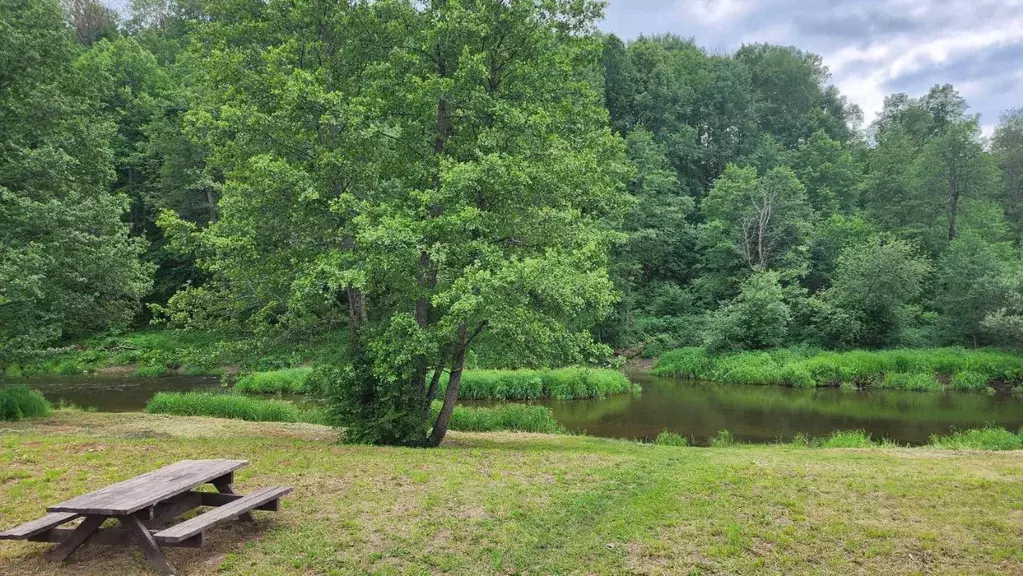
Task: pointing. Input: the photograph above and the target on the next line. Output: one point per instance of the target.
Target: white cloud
(873, 47)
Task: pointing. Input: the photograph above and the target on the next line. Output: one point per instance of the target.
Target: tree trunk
(440, 427)
(356, 309)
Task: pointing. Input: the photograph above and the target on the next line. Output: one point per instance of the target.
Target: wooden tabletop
(148, 489)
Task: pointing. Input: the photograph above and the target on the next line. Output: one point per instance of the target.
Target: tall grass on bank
(287, 381)
(18, 402)
(906, 369)
(231, 406)
(563, 384)
(509, 417)
(989, 438)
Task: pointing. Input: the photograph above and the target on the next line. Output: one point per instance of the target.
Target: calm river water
(694, 409)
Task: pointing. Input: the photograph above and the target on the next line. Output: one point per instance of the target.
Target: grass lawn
(502, 503)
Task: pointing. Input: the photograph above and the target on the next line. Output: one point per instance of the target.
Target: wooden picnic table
(144, 505)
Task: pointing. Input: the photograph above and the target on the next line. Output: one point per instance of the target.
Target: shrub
(848, 439)
(667, 438)
(748, 368)
(563, 384)
(231, 406)
(969, 381)
(692, 363)
(510, 417)
(14, 371)
(68, 368)
(724, 439)
(797, 375)
(151, 371)
(989, 438)
(17, 402)
(287, 381)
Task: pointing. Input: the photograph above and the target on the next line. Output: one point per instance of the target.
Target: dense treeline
(439, 177)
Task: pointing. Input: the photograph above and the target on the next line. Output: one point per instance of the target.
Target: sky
(872, 47)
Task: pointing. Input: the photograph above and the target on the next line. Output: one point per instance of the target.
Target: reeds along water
(904, 369)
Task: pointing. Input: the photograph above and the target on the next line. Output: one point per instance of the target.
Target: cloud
(872, 47)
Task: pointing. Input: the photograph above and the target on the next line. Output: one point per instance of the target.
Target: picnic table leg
(223, 485)
(139, 534)
(76, 538)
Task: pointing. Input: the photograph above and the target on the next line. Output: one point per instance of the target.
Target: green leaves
(67, 265)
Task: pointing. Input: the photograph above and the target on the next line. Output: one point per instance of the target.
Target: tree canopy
(475, 182)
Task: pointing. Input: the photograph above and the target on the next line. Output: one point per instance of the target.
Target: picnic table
(144, 506)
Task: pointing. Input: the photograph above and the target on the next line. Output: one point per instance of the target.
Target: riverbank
(521, 503)
(925, 370)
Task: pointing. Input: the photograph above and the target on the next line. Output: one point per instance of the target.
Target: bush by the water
(17, 402)
(287, 381)
(668, 438)
(231, 406)
(563, 384)
(510, 417)
(904, 369)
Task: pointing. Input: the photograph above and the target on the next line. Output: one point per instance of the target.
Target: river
(694, 409)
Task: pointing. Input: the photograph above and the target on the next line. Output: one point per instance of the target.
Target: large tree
(67, 265)
(443, 170)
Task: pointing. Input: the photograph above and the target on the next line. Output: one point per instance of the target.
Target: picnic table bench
(144, 506)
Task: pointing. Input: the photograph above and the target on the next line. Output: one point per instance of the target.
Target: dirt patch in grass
(532, 504)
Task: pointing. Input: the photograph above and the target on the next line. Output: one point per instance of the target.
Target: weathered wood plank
(218, 499)
(126, 498)
(29, 529)
(233, 509)
(107, 537)
(76, 538)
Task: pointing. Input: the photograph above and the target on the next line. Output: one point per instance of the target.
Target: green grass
(286, 381)
(563, 384)
(904, 369)
(990, 438)
(18, 402)
(496, 504)
(231, 406)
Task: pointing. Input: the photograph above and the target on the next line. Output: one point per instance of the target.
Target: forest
(427, 184)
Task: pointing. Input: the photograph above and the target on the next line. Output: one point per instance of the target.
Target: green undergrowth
(159, 352)
(18, 402)
(563, 384)
(286, 381)
(903, 369)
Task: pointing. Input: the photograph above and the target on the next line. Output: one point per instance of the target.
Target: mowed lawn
(528, 504)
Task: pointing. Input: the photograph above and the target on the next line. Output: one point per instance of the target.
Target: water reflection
(769, 414)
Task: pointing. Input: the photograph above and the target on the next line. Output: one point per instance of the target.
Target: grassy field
(530, 504)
